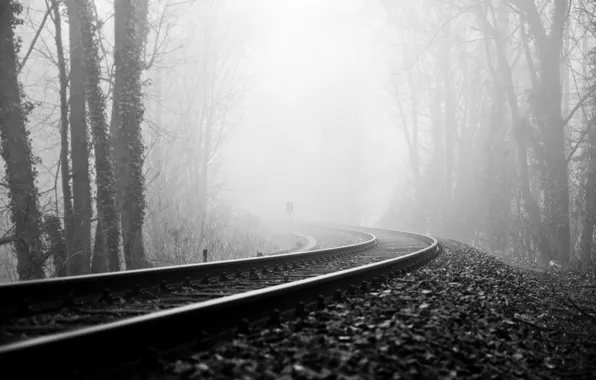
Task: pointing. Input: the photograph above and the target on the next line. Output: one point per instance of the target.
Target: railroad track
(38, 308)
(309, 243)
(304, 243)
(260, 290)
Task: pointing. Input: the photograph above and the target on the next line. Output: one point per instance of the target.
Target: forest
(509, 104)
(118, 119)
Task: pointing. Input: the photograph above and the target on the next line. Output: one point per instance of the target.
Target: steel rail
(126, 342)
(23, 298)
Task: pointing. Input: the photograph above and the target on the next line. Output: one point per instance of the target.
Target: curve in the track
(128, 340)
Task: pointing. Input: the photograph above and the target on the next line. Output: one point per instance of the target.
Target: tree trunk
(496, 174)
(547, 110)
(104, 166)
(16, 152)
(449, 227)
(503, 78)
(205, 164)
(64, 163)
(55, 235)
(205, 133)
(420, 218)
(497, 157)
(557, 187)
(589, 212)
(100, 259)
(589, 216)
(127, 115)
(464, 220)
(80, 262)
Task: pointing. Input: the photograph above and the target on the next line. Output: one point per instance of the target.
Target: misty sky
(317, 127)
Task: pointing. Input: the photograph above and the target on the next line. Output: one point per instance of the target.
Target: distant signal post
(290, 208)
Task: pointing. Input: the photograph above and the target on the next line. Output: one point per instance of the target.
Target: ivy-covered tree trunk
(80, 262)
(64, 162)
(16, 152)
(127, 115)
(57, 244)
(104, 166)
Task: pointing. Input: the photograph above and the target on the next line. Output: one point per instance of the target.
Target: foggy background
(316, 125)
(455, 118)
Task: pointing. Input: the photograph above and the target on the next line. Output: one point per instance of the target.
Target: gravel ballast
(465, 315)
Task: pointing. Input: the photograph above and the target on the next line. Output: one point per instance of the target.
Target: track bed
(251, 298)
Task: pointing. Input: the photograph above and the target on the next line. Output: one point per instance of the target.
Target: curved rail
(310, 244)
(126, 342)
(24, 298)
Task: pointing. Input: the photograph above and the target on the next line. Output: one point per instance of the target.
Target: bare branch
(41, 26)
(578, 105)
(6, 240)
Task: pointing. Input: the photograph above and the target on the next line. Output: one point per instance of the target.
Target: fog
(315, 123)
(318, 129)
(458, 118)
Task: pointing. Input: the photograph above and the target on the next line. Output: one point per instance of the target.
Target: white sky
(317, 126)
(317, 116)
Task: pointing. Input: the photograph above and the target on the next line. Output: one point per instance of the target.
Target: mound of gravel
(465, 315)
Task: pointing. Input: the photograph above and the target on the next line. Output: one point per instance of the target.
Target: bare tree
(546, 104)
(208, 93)
(514, 92)
(589, 212)
(504, 80)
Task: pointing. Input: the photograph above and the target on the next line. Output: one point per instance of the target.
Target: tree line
(115, 145)
(136, 118)
(496, 100)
